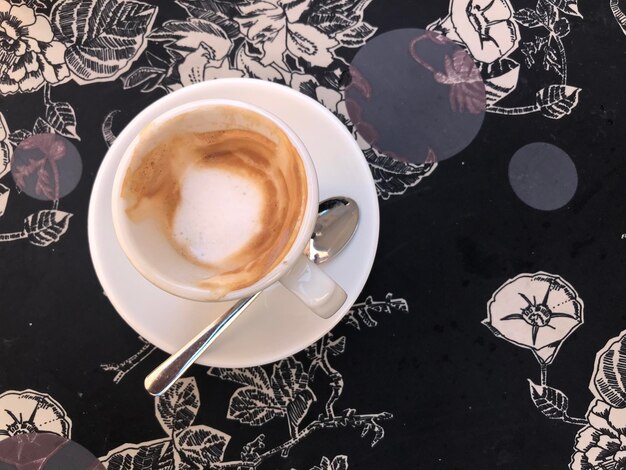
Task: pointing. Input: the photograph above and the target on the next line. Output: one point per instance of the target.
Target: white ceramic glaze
(150, 251)
(277, 324)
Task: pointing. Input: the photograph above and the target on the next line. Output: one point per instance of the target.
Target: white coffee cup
(152, 254)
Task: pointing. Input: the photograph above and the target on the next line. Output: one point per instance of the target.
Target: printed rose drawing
(206, 46)
(485, 27)
(29, 53)
(276, 27)
(535, 311)
(491, 31)
(29, 411)
(601, 444)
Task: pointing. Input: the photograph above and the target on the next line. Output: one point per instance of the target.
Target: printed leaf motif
(42, 127)
(551, 402)
(252, 376)
(500, 80)
(351, 320)
(18, 136)
(551, 60)
(215, 11)
(530, 49)
(619, 15)
(252, 67)
(251, 450)
(252, 406)
(339, 463)
(178, 407)
(153, 455)
(557, 101)
(357, 35)
(337, 346)
(199, 8)
(187, 35)
(567, 6)
(336, 16)
(561, 27)
(103, 37)
(43, 185)
(46, 227)
(62, 118)
(394, 177)
(299, 407)
(528, 17)
(547, 12)
(21, 172)
(288, 379)
(107, 128)
(362, 312)
(201, 445)
(149, 77)
(610, 375)
(5, 158)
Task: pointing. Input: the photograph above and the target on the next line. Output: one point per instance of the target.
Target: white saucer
(277, 325)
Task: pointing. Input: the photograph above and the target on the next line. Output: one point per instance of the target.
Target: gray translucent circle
(45, 451)
(46, 166)
(543, 176)
(415, 95)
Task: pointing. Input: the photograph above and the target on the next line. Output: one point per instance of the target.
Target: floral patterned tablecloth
(490, 334)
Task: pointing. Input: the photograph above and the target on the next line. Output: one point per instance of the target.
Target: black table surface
(439, 365)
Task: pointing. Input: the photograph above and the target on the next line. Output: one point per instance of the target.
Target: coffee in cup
(216, 200)
(231, 201)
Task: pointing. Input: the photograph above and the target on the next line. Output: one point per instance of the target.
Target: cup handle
(314, 287)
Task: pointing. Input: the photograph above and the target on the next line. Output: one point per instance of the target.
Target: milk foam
(218, 213)
(230, 200)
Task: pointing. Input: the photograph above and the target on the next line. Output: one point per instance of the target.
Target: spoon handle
(164, 376)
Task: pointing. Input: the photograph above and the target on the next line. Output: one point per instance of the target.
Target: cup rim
(194, 292)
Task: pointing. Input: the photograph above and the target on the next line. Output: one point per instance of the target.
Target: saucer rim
(176, 99)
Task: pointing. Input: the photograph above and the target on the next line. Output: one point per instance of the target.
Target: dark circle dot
(46, 166)
(415, 95)
(543, 176)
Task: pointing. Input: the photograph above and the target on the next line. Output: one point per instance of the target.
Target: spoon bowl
(337, 221)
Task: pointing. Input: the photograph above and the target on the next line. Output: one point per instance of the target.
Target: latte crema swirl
(231, 201)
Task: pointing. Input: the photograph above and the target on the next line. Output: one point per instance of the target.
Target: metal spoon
(337, 221)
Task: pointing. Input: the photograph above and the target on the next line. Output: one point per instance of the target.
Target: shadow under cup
(146, 243)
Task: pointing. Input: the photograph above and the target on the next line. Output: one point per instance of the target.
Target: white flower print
(535, 311)
(205, 47)
(333, 100)
(206, 63)
(250, 64)
(274, 27)
(29, 54)
(29, 411)
(602, 443)
(485, 27)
